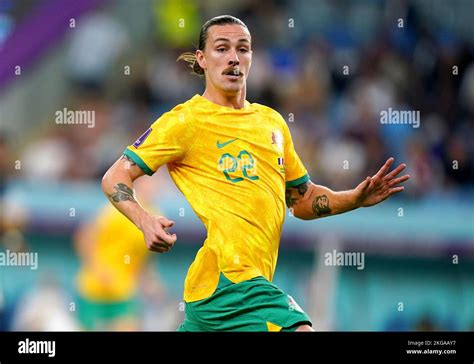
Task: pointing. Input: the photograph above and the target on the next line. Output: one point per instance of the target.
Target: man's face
(322, 202)
(227, 57)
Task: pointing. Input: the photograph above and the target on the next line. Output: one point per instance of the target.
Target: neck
(235, 101)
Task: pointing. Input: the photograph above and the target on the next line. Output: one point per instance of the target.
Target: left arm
(309, 201)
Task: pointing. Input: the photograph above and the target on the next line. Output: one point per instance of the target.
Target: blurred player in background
(235, 163)
(113, 264)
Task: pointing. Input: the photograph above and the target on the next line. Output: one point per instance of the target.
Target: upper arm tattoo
(123, 193)
(129, 161)
(293, 194)
(318, 205)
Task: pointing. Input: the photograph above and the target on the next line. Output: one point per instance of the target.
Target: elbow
(302, 215)
(305, 217)
(106, 181)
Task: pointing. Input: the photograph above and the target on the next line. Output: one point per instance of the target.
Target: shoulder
(179, 112)
(268, 111)
(272, 114)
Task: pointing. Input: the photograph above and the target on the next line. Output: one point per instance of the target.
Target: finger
(156, 249)
(160, 244)
(162, 248)
(165, 222)
(158, 241)
(398, 180)
(166, 238)
(395, 172)
(384, 168)
(395, 190)
(364, 185)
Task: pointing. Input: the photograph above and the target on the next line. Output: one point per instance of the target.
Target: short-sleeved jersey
(232, 166)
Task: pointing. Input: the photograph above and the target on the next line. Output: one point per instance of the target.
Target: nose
(234, 59)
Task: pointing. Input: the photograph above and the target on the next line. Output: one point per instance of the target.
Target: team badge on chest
(277, 143)
(277, 140)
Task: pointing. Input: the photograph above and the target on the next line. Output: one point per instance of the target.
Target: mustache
(233, 70)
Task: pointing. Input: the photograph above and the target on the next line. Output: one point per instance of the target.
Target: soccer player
(235, 163)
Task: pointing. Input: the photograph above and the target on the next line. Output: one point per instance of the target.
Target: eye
(243, 50)
(221, 49)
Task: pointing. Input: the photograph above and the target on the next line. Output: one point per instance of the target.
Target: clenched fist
(157, 239)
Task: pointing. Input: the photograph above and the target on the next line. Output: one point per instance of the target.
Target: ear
(200, 58)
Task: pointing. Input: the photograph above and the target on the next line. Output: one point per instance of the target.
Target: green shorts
(93, 315)
(253, 305)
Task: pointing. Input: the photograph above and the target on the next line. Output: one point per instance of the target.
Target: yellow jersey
(232, 166)
(119, 254)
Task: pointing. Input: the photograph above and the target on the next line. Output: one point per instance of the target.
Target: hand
(157, 239)
(381, 186)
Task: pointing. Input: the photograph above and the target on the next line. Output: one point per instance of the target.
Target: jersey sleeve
(295, 171)
(167, 140)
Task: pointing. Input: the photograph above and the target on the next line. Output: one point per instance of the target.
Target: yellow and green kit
(233, 166)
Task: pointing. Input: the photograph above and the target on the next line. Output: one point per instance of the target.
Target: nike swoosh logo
(222, 145)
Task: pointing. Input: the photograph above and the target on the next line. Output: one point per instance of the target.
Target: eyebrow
(227, 40)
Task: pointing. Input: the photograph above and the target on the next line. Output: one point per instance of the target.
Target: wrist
(354, 199)
(142, 218)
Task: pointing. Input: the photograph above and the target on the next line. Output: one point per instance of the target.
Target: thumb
(165, 222)
(364, 185)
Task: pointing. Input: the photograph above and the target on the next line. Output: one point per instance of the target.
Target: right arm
(117, 185)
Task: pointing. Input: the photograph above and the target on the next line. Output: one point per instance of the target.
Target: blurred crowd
(330, 69)
(329, 81)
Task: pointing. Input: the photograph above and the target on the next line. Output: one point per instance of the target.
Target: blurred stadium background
(329, 67)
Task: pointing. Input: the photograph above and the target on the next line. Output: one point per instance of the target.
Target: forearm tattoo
(123, 193)
(321, 206)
